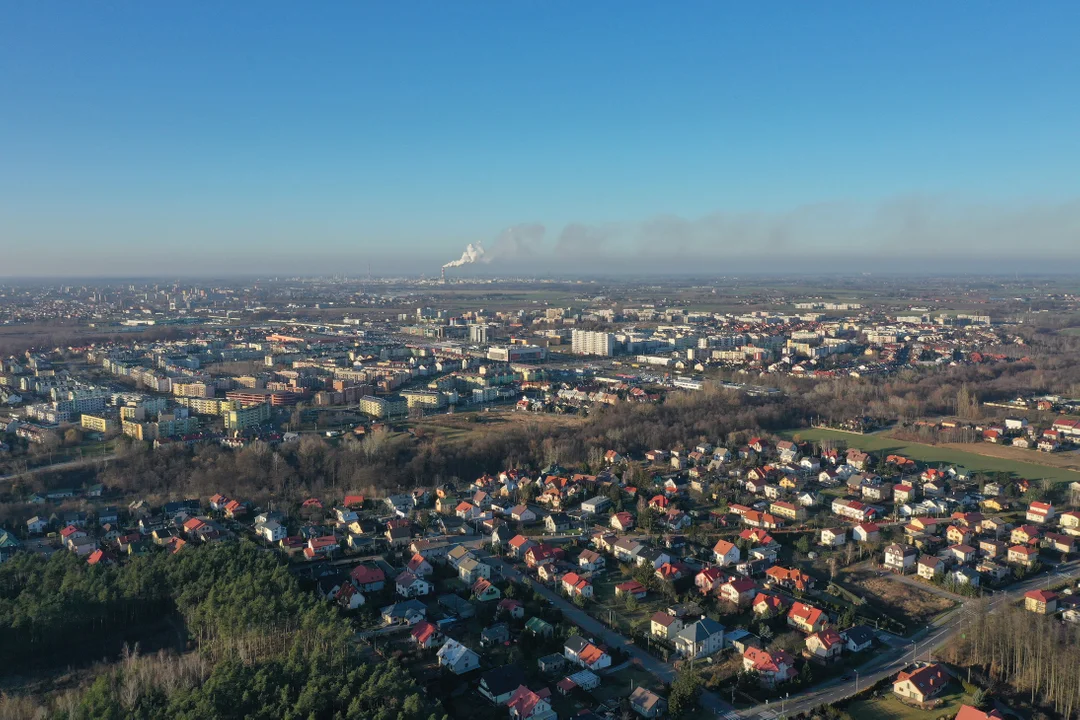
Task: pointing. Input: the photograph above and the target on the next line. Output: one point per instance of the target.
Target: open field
(465, 427)
(888, 707)
(910, 604)
(949, 454)
(1065, 460)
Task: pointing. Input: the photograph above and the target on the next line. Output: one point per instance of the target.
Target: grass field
(888, 707)
(970, 461)
(909, 604)
(467, 427)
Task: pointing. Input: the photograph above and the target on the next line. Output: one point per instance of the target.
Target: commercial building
(275, 398)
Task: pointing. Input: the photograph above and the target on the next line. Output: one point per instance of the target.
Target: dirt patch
(1065, 460)
(912, 605)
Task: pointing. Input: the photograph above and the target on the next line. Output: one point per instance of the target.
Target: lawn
(887, 707)
(970, 461)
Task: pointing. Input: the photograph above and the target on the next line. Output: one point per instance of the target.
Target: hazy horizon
(606, 139)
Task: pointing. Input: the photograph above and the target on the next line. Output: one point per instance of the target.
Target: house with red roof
(708, 580)
(967, 712)
(632, 588)
(1040, 512)
(528, 705)
(1041, 602)
(772, 668)
(739, 591)
(766, 605)
(922, 684)
(622, 521)
(519, 545)
(825, 644)
(426, 635)
(368, 579)
(789, 578)
(574, 584)
(1022, 555)
(806, 618)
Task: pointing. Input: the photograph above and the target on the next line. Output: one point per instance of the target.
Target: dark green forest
(261, 645)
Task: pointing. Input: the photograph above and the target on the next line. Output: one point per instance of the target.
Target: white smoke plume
(473, 253)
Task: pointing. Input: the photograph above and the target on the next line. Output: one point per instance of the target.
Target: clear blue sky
(202, 136)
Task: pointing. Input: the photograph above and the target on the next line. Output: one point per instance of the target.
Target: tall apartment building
(478, 334)
(587, 342)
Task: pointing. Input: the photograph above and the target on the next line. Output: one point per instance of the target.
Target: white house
(271, 531)
(702, 638)
(581, 652)
(457, 658)
(726, 553)
(409, 585)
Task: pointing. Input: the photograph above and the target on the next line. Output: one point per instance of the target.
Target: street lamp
(856, 682)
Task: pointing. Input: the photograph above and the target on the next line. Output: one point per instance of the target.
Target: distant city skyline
(700, 138)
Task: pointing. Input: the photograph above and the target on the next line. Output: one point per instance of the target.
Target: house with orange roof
(585, 654)
(789, 578)
(726, 553)
(574, 584)
(967, 712)
(738, 591)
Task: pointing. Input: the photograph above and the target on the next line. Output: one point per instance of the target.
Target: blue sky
(261, 137)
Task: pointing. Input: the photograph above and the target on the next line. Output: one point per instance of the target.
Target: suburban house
(825, 645)
(470, 569)
(738, 592)
(767, 605)
(866, 532)
(967, 712)
(833, 537)
(806, 618)
(922, 684)
(528, 705)
(623, 521)
(368, 579)
(900, 558)
(726, 553)
(498, 685)
(583, 653)
(929, 567)
(772, 668)
(1022, 555)
(483, 591)
(961, 553)
(591, 561)
(789, 578)
(646, 703)
(426, 635)
(457, 658)
(664, 625)
(702, 638)
(857, 638)
(1040, 512)
(409, 585)
(574, 584)
(1043, 602)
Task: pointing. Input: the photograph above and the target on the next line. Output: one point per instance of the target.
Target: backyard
(887, 707)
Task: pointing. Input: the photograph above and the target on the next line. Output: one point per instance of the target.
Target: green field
(934, 454)
(888, 707)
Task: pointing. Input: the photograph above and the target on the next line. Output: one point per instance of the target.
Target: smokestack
(443, 278)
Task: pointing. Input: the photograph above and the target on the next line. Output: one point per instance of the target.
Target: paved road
(888, 663)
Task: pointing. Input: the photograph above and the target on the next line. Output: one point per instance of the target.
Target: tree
(803, 544)
(685, 692)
